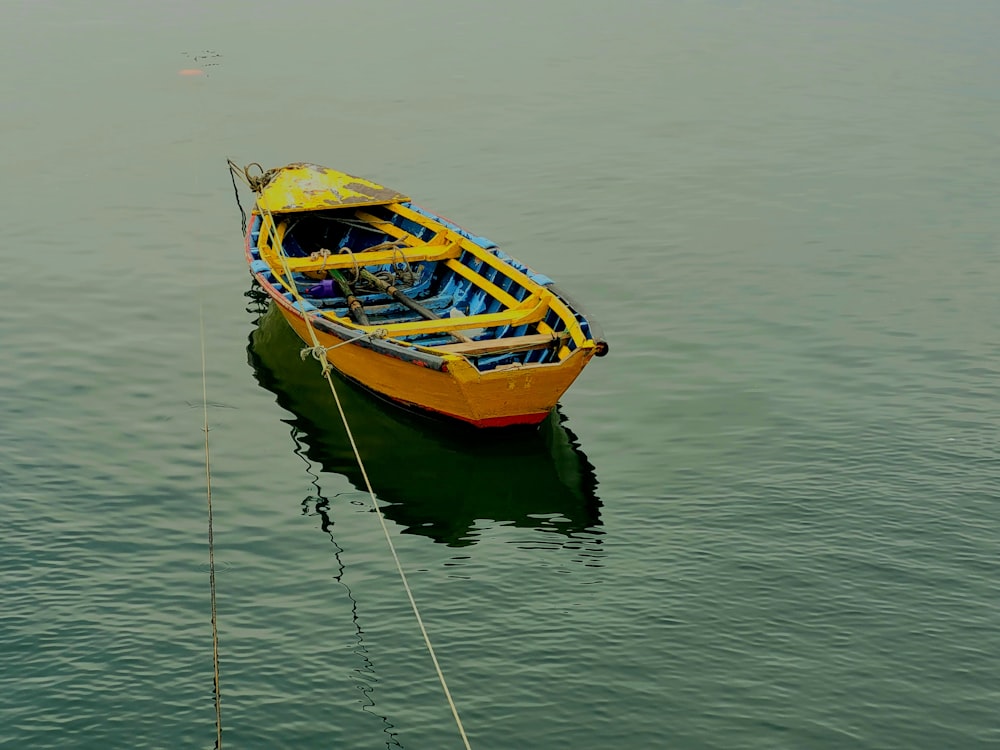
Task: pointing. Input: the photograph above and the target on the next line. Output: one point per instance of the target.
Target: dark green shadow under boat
(439, 480)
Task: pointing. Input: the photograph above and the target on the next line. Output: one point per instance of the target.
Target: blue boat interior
(433, 284)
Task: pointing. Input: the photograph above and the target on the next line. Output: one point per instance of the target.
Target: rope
(319, 352)
(211, 536)
(322, 253)
(399, 565)
(326, 371)
(243, 214)
(357, 268)
(403, 263)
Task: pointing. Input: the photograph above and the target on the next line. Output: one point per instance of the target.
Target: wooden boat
(409, 304)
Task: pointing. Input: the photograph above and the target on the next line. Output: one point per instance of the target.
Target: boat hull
(500, 398)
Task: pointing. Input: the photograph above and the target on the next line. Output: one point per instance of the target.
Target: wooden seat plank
(500, 346)
(447, 325)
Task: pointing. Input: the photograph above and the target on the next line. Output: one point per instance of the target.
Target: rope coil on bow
(258, 182)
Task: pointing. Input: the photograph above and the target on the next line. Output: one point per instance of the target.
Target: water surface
(768, 519)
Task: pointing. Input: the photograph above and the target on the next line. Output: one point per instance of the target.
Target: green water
(769, 519)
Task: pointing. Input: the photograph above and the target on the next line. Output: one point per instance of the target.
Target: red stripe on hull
(511, 421)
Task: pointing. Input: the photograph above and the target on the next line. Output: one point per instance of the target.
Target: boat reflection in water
(439, 480)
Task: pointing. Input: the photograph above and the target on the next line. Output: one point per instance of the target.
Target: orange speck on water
(191, 72)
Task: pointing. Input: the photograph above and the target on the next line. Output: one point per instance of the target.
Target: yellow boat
(409, 304)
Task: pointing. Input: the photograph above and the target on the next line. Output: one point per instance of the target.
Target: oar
(354, 305)
(387, 288)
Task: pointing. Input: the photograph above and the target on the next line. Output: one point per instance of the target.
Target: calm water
(769, 519)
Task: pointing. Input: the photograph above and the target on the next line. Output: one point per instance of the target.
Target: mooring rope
(236, 190)
(211, 536)
(395, 557)
(257, 185)
(319, 352)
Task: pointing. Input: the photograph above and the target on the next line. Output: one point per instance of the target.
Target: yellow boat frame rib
(508, 395)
